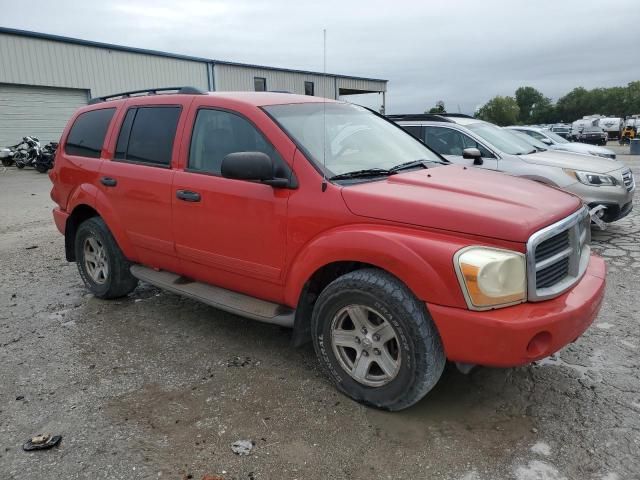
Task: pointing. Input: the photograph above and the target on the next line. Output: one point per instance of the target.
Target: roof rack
(419, 116)
(455, 115)
(150, 91)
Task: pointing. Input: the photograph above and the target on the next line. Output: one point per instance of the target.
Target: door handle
(108, 181)
(188, 196)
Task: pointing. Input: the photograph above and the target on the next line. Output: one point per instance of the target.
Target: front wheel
(101, 263)
(376, 340)
(7, 162)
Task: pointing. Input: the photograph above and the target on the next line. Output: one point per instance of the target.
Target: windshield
(354, 138)
(501, 139)
(529, 139)
(555, 137)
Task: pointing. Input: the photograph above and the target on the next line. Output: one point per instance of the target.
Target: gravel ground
(157, 386)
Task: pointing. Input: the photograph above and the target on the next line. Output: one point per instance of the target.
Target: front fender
(423, 260)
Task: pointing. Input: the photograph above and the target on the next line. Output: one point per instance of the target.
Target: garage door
(39, 111)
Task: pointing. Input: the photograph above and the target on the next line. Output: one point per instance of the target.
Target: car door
(228, 232)
(136, 182)
(450, 143)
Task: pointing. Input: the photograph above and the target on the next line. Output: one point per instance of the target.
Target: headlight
(595, 179)
(603, 155)
(491, 277)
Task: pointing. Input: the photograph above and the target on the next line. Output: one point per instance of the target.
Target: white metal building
(44, 78)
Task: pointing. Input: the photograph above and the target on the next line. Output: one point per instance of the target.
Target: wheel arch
(423, 264)
(97, 206)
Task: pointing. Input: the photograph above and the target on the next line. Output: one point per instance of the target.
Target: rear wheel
(7, 162)
(101, 263)
(376, 341)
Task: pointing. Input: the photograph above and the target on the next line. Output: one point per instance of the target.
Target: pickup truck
(327, 218)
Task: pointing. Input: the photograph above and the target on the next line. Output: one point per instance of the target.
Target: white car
(556, 142)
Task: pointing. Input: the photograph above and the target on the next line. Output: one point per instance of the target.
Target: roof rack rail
(148, 91)
(419, 116)
(456, 115)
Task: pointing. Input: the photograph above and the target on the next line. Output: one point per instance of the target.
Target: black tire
(419, 347)
(20, 165)
(7, 162)
(118, 282)
(41, 168)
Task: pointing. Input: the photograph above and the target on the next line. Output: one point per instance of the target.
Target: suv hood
(464, 200)
(574, 161)
(582, 148)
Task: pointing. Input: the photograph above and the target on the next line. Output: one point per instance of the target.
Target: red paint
(268, 242)
(501, 337)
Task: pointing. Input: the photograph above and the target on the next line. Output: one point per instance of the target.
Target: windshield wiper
(412, 164)
(369, 172)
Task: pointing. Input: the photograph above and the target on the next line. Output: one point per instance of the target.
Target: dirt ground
(158, 386)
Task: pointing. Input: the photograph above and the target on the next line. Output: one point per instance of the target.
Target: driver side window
(217, 133)
(447, 141)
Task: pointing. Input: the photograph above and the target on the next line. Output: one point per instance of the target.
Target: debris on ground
(212, 477)
(242, 362)
(31, 247)
(242, 447)
(42, 441)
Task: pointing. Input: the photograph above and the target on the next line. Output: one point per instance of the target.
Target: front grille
(549, 276)
(628, 180)
(557, 256)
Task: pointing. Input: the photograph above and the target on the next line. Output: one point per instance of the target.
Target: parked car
(325, 217)
(561, 129)
(468, 141)
(592, 135)
(556, 142)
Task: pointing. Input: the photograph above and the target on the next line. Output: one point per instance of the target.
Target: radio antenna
(324, 111)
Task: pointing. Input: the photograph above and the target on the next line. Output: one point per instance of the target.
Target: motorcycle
(27, 152)
(47, 157)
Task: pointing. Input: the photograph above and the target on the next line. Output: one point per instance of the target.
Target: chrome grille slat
(542, 264)
(557, 256)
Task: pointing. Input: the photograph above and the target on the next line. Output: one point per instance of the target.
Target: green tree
(439, 108)
(500, 110)
(543, 111)
(527, 99)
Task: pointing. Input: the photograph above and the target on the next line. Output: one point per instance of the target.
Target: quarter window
(147, 135)
(308, 88)
(217, 133)
(87, 133)
(260, 84)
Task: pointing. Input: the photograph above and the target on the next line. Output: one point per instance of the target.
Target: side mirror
(473, 154)
(546, 141)
(251, 166)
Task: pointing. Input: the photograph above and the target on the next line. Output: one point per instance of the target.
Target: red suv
(325, 217)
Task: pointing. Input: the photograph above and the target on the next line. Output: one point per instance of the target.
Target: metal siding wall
(361, 84)
(39, 111)
(34, 61)
(236, 78)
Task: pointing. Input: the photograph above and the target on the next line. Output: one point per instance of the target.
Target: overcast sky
(461, 52)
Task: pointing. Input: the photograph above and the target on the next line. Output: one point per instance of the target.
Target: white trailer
(611, 125)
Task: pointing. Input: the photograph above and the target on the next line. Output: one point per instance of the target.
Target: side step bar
(232, 302)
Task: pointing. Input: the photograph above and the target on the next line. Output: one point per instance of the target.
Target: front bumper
(523, 333)
(617, 199)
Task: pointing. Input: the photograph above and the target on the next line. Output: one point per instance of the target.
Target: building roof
(158, 53)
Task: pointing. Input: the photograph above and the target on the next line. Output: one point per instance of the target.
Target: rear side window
(217, 133)
(147, 135)
(87, 133)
